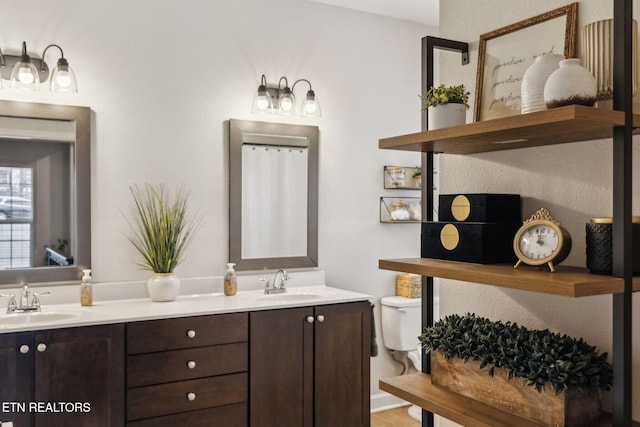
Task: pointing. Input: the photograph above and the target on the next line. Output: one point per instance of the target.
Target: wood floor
(397, 417)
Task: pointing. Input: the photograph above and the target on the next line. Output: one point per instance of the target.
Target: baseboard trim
(384, 401)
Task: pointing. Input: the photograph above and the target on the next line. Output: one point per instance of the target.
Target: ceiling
(420, 11)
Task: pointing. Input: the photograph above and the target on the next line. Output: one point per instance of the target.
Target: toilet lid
(396, 301)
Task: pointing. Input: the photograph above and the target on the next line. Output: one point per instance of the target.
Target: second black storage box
(485, 207)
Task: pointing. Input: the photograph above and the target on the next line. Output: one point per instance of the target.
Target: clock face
(539, 242)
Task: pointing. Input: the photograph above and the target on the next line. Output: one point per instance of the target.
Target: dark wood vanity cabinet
(310, 366)
(188, 371)
(63, 377)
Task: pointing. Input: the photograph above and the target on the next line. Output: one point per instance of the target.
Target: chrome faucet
(26, 305)
(277, 287)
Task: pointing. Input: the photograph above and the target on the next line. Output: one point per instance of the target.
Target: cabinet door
(83, 367)
(16, 361)
(281, 368)
(342, 351)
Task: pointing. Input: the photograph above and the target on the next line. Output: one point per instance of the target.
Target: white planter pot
(533, 81)
(446, 115)
(570, 84)
(163, 287)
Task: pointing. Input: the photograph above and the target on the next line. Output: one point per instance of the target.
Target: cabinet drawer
(187, 332)
(228, 416)
(177, 365)
(173, 398)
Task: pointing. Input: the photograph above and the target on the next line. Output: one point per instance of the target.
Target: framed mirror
(45, 199)
(273, 195)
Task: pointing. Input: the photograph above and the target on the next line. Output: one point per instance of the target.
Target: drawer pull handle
(191, 396)
(191, 333)
(42, 347)
(191, 364)
(320, 318)
(310, 319)
(24, 349)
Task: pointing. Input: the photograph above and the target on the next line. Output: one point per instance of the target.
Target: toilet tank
(401, 322)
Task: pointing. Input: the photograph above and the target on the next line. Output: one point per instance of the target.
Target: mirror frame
(81, 180)
(237, 128)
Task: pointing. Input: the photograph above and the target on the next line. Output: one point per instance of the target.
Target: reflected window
(16, 217)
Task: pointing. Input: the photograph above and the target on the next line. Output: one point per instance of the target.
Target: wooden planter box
(567, 409)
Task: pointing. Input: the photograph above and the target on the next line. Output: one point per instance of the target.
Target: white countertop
(109, 306)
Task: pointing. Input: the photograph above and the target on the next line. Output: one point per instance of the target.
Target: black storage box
(484, 243)
(600, 247)
(480, 208)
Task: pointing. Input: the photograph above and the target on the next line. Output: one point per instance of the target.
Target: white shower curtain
(274, 201)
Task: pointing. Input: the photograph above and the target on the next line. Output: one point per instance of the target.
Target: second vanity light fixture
(25, 72)
(281, 100)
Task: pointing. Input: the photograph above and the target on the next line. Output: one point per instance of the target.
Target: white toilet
(401, 325)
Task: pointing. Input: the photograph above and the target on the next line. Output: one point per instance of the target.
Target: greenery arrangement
(538, 356)
(161, 228)
(445, 95)
(417, 171)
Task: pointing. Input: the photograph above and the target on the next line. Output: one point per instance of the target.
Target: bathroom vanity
(298, 359)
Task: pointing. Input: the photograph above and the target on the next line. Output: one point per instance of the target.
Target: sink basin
(286, 297)
(37, 317)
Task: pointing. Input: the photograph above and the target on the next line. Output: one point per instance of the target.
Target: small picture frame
(506, 53)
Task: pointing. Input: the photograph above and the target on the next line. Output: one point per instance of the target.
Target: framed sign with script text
(506, 53)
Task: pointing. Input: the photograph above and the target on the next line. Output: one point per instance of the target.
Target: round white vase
(533, 81)
(570, 84)
(446, 115)
(163, 287)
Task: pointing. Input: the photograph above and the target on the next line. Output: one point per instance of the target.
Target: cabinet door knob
(191, 364)
(42, 347)
(191, 396)
(309, 319)
(24, 349)
(191, 333)
(320, 318)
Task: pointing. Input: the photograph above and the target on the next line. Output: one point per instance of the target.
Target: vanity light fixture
(25, 72)
(281, 100)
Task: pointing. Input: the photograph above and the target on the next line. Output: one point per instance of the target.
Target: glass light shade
(287, 103)
(262, 103)
(63, 79)
(310, 106)
(25, 75)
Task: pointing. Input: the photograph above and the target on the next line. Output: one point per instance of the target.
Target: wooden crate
(568, 409)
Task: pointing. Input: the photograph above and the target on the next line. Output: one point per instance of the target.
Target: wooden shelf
(417, 389)
(548, 127)
(566, 281)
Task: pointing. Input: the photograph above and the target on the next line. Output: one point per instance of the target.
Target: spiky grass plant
(161, 226)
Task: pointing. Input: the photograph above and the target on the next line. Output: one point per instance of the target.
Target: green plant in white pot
(160, 229)
(446, 105)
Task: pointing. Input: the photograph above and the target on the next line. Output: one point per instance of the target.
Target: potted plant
(537, 374)
(160, 229)
(446, 105)
(417, 176)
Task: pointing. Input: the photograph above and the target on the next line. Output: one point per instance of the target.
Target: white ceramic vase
(570, 84)
(163, 287)
(533, 81)
(446, 115)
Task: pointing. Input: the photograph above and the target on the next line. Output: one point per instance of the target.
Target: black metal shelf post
(622, 201)
(429, 44)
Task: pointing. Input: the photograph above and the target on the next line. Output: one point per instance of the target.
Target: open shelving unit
(570, 124)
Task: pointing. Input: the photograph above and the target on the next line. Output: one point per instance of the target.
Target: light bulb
(311, 107)
(25, 75)
(286, 104)
(63, 79)
(262, 103)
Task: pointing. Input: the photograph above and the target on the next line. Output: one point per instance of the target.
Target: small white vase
(163, 287)
(446, 115)
(533, 80)
(570, 84)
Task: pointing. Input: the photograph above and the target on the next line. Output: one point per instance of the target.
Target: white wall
(163, 76)
(573, 181)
